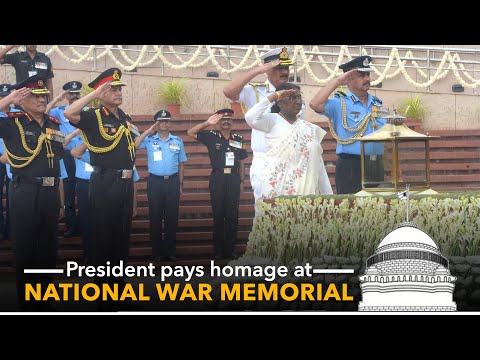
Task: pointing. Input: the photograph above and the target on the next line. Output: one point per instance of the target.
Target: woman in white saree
(294, 163)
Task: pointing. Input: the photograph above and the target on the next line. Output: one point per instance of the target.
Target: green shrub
(173, 92)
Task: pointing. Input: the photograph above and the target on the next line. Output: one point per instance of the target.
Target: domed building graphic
(407, 273)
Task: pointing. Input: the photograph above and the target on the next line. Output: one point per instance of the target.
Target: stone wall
(448, 110)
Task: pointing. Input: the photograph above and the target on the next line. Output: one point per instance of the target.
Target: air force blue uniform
(163, 190)
(69, 182)
(172, 154)
(348, 169)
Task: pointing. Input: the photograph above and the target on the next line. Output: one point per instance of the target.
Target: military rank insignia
(55, 135)
(235, 143)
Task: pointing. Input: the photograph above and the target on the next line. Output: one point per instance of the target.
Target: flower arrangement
(299, 228)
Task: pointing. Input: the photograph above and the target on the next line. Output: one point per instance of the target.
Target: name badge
(41, 65)
(88, 167)
(157, 155)
(32, 73)
(229, 158)
(235, 144)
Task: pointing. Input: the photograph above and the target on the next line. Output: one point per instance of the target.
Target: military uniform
(70, 182)
(112, 153)
(350, 119)
(163, 188)
(224, 186)
(26, 67)
(250, 95)
(4, 179)
(83, 172)
(34, 153)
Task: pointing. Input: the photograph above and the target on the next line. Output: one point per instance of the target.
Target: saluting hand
(346, 77)
(284, 94)
(212, 120)
(269, 65)
(154, 128)
(61, 97)
(17, 96)
(102, 90)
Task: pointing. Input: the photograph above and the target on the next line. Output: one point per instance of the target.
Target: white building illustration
(407, 273)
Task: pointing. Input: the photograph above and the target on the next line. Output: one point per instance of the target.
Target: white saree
(293, 164)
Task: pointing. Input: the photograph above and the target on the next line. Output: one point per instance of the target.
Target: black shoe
(219, 257)
(159, 258)
(68, 233)
(171, 258)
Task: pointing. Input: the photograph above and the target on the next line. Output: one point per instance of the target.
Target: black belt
(164, 177)
(349, 156)
(121, 173)
(36, 180)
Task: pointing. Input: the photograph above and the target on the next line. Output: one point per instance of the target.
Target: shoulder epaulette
(105, 111)
(15, 114)
(256, 84)
(54, 119)
(340, 94)
(86, 108)
(377, 100)
(214, 132)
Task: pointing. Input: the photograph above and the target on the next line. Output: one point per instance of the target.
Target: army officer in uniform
(109, 135)
(33, 144)
(227, 151)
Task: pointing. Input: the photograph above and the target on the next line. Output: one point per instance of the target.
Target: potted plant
(413, 107)
(173, 93)
(87, 90)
